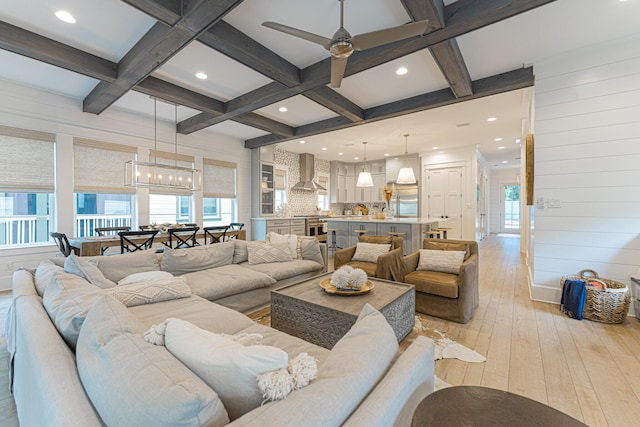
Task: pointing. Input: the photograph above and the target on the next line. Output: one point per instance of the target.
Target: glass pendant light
(406, 175)
(364, 179)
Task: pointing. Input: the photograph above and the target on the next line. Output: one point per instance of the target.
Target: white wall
(498, 178)
(587, 156)
(29, 108)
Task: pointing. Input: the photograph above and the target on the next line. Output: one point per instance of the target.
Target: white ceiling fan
(342, 45)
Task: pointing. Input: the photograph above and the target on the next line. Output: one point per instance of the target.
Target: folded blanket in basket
(574, 296)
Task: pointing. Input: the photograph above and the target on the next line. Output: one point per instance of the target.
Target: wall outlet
(553, 203)
(540, 203)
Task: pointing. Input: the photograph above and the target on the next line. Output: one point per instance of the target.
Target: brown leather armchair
(445, 295)
(389, 265)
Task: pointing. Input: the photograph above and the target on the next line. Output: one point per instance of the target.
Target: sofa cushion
(188, 260)
(152, 291)
(443, 261)
(228, 367)
(117, 267)
(144, 276)
(290, 239)
(262, 252)
(220, 282)
(353, 367)
(131, 382)
(285, 270)
(44, 275)
(240, 251)
(448, 246)
(87, 269)
(434, 283)
(309, 249)
(369, 252)
(67, 300)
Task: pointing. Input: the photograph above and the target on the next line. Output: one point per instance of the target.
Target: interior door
(445, 198)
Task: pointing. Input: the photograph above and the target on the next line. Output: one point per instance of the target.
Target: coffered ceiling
(473, 62)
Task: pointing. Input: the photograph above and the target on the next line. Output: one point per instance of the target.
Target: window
(280, 188)
(219, 192)
(101, 198)
(323, 195)
(169, 208)
(27, 183)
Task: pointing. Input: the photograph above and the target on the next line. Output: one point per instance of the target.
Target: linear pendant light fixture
(406, 175)
(154, 174)
(364, 179)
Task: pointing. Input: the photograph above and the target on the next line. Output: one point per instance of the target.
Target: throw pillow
(45, 273)
(67, 300)
(87, 269)
(442, 261)
(309, 248)
(228, 367)
(447, 246)
(155, 290)
(133, 383)
(262, 252)
(144, 276)
(188, 260)
(117, 267)
(369, 252)
(240, 251)
(290, 239)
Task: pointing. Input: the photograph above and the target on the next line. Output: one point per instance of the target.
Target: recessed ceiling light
(324, 148)
(340, 154)
(401, 71)
(492, 119)
(201, 75)
(356, 158)
(435, 148)
(386, 154)
(65, 17)
(282, 109)
(517, 140)
(505, 161)
(303, 141)
(500, 148)
(498, 139)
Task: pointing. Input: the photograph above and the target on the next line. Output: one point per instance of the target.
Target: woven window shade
(219, 179)
(99, 166)
(324, 181)
(281, 179)
(27, 163)
(171, 159)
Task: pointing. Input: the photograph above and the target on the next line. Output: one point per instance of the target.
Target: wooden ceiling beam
(166, 11)
(462, 16)
(157, 46)
(335, 102)
(500, 83)
(23, 42)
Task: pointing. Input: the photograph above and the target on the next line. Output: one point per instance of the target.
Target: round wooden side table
(471, 406)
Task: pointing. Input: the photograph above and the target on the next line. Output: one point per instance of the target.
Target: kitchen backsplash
(300, 202)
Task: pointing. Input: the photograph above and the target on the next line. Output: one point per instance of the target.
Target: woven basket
(607, 305)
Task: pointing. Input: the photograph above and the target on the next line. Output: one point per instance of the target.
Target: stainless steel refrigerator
(407, 201)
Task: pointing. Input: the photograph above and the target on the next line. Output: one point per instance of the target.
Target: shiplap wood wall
(26, 107)
(587, 155)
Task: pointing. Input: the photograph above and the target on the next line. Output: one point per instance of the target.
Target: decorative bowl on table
(347, 281)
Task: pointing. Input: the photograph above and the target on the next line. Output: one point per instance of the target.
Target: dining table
(90, 245)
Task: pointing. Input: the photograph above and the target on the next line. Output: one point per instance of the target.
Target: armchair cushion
(447, 246)
(443, 261)
(369, 252)
(434, 283)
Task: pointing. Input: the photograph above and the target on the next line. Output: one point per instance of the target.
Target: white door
(444, 198)
(510, 208)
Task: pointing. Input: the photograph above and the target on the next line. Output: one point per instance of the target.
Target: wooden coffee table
(306, 311)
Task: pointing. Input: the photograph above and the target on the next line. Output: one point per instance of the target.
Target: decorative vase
(389, 211)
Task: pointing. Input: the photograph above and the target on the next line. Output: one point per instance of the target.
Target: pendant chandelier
(364, 179)
(406, 175)
(154, 174)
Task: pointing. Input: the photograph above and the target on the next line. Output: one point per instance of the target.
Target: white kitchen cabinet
(349, 189)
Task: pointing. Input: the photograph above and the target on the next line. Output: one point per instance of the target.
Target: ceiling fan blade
(314, 38)
(338, 65)
(380, 37)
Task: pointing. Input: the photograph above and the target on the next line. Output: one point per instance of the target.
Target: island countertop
(355, 218)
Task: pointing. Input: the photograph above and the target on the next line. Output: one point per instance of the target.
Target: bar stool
(432, 234)
(361, 232)
(333, 246)
(396, 234)
(444, 231)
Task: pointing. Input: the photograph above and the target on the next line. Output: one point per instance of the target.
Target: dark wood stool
(483, 406)
(333, 245)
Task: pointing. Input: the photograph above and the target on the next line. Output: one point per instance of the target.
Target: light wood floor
(588, 370)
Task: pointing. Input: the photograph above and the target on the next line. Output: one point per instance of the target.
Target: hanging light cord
(175, 157)
(406, 151)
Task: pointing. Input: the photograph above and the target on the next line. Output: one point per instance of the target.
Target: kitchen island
(413, 229)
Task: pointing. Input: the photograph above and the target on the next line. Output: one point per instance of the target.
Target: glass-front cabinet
(267, 194)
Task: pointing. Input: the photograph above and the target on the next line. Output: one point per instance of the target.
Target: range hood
(307, 173)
